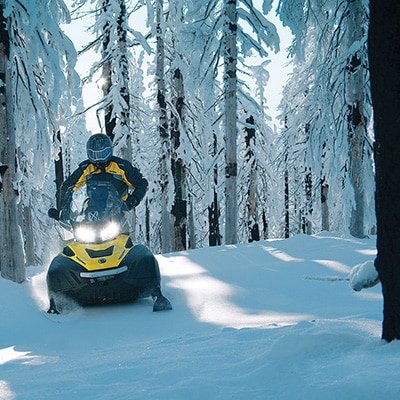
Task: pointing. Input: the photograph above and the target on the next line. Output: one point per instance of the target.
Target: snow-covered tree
(163, 128)
(113, 31)
(358, 104)
(327, 112)
(177, 125)
(113, 41)
(230, 94)
(41, 86)
(192, 96)
(12, 265)
(200, 43)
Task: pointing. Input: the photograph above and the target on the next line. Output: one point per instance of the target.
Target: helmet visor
(98, 156)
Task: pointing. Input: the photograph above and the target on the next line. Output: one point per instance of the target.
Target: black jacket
(121, 173)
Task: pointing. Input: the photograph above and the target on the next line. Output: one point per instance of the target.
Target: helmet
(99, 149)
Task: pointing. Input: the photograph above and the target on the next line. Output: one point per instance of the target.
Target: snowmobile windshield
(97, 213)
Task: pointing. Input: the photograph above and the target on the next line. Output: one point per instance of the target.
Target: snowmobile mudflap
(137, 275)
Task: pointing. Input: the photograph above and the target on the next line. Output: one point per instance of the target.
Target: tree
(177, 130)
(179, 208)
(217, 103)
(187, 119)
(327, 109)
(230, 92)
(165, 143)
(40, 85)
(252, 200)
(384, 59)
(197, 43)
(115, 75)
(12, 263)
(114, 41)
(357, 120)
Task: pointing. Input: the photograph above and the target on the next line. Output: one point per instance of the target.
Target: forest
(184, 96)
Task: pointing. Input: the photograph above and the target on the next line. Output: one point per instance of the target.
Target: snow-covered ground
(271, 320)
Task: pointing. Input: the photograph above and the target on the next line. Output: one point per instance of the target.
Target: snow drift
(270, 320)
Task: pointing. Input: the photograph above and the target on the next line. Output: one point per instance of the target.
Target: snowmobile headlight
(110, 231)
(85, 234)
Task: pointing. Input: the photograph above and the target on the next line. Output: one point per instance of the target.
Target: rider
(102, 165)
(130, 184)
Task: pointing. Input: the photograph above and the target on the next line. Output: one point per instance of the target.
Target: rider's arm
(70, 185)
(135, 181)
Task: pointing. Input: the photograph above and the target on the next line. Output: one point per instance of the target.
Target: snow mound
(363, 276)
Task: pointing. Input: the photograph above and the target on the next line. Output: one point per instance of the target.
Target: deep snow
(270, 320)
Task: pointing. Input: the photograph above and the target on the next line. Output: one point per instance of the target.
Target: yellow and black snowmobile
(100, 263)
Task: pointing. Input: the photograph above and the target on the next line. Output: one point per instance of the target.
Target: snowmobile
(100, 263)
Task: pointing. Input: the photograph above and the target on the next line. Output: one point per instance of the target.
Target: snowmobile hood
(94, 257)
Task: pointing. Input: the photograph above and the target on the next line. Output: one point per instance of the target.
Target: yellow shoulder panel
(114, 168)
(90, 169)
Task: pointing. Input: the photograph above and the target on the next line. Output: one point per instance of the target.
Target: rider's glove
(131, 202)
(54, 213)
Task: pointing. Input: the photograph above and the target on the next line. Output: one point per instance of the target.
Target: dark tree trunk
(252, 199)
(265, 225)
(287, 219)
(307, 225)
(324, 206)
(215, 237)
(213, 219)
(384, 58)
(59, 171)
(167, 232)
(147, 223)
(109, 121)
(179, 209)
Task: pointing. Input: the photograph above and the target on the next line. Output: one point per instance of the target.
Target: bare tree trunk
(324, 206)
(214, 238)
(230, 80)
(59, 170)
(165, 156)
(307, 224)
(324, 195)
(252, 198)
(126, 151)
(179, 209)
(357, 121)
(147, 224)
(109, 121)
(265, 225)
(308, 207)
(286, 203)
(12, 264)
(384, 60)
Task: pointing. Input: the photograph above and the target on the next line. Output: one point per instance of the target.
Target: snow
(269, 320)
(363, 275)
